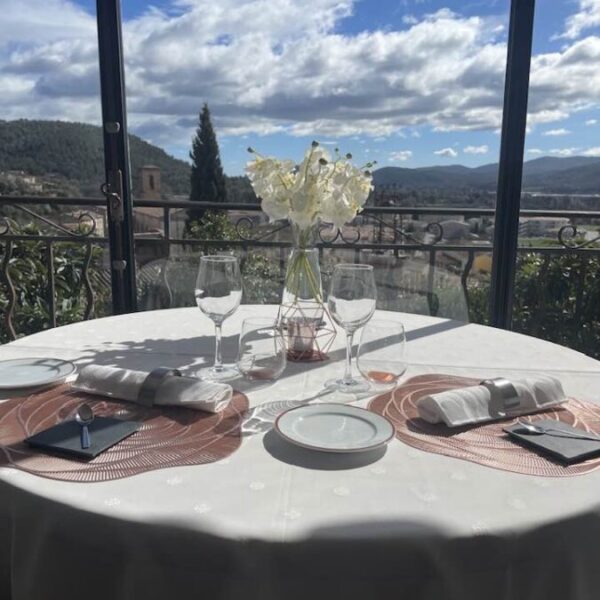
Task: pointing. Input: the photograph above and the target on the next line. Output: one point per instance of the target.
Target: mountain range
(548, 174)
(74, 152)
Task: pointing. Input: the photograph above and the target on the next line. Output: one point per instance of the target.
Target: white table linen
(474, 404)
(273, 522)
(172, 390)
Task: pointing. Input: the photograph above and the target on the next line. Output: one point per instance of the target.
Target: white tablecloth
(274, 522)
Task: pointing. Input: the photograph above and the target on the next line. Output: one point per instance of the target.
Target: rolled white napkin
(473, 404)
(124, 384)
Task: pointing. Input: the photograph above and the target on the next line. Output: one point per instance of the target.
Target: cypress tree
(207, 178)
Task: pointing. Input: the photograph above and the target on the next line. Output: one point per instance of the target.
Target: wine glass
(262, 352)
(218, 295)
(352, 299)
(381, 352)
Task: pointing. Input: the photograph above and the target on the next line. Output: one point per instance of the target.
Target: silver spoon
(84, 416)
(531, 429)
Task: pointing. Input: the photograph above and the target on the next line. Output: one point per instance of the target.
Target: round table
(271, 521)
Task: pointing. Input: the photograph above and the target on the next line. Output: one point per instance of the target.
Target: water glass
(352, 300)
(262, 353)
(218, 296)
(381, 354)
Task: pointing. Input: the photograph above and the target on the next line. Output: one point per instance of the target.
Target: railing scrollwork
(339, 235)
(86, 223)
(420, 249)
(433, 230)
(567, 236)
(49, 233)
(11, 291)
(5, 228)
(245, 227)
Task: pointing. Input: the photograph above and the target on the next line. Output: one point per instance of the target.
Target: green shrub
(28, 271)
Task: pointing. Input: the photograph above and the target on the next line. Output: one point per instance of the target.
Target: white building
(541, 226)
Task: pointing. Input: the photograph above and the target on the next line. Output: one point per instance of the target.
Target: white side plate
(33, 372)
(334, 428)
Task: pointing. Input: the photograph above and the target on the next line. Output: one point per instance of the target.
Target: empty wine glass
(381, 353)
(262, 352)
(352, 299)
(218, 295)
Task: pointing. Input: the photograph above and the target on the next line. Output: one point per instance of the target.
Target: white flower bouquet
(319, 189)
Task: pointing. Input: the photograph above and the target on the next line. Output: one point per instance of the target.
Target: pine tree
(207, 178)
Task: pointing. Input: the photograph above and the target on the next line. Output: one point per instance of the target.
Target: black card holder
(65, 438)
(565, 450)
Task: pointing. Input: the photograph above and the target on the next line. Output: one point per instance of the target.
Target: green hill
(75, 151)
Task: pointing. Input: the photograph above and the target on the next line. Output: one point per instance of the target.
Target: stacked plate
(334, 428)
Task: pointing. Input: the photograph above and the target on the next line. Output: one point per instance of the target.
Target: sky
(407, 83)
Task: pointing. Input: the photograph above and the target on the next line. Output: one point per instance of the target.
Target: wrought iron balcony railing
(438, 241)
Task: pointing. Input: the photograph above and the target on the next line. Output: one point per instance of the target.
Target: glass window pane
(51, 148)
(415, 87)
(557, 294)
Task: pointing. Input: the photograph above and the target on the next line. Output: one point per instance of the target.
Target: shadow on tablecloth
(281, 450)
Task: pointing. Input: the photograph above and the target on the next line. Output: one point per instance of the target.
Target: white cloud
(591, 151)
(564, 82)
(284, 69)
(446, 152)
(573, 151)
(400, 155)
(556, 132)
(565, 151)
(591, 122)
(543, 116)
(587, 17)
(484, 149)
(43, 21)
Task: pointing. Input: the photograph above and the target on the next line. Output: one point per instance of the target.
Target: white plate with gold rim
(331, 427)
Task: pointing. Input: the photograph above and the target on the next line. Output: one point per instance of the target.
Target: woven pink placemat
(482, 444)
(169, 436)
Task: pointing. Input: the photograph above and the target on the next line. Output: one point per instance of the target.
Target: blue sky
(405, 82)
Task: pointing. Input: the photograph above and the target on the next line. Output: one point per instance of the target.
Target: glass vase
(302, 306)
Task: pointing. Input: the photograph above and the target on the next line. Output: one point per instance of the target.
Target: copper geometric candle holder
(309, 328)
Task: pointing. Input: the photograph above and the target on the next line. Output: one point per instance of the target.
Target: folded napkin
(474, 404)
(124, 384)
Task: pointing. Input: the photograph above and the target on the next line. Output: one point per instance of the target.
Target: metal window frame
(510, 168)
(510, 171)
(117, 188)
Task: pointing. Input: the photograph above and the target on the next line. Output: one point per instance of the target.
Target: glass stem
(348, 373)
(218, 358)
